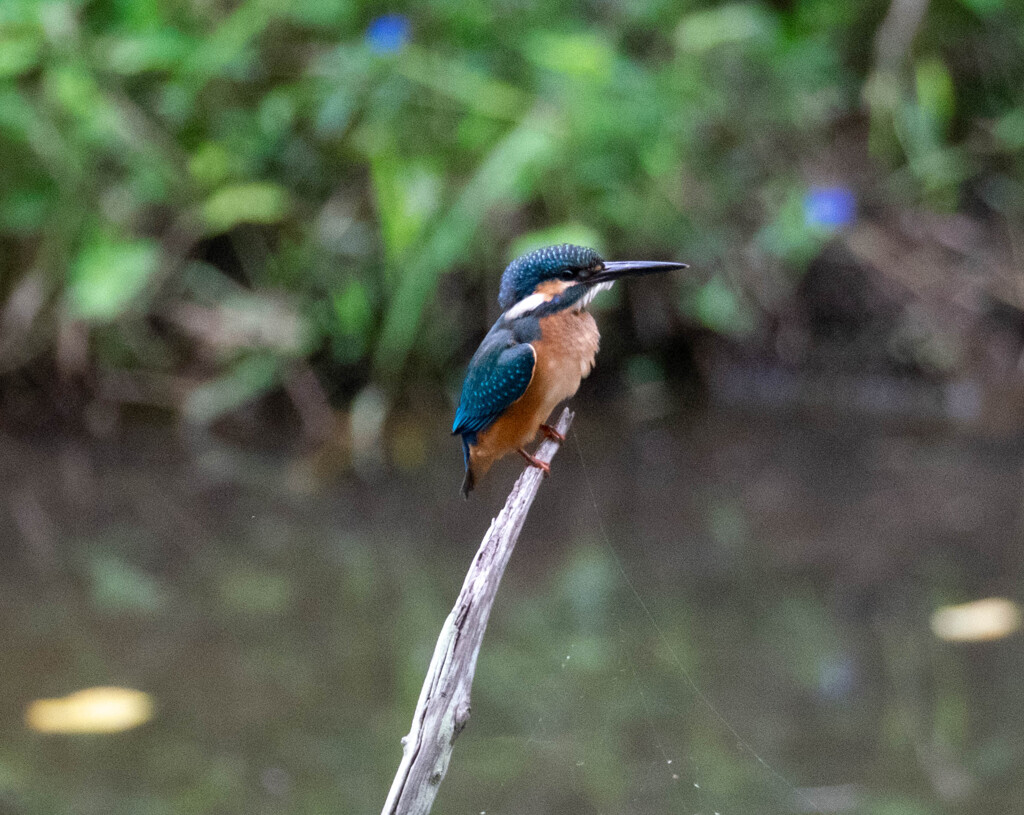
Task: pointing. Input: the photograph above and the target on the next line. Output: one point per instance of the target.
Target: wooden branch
(443, 708)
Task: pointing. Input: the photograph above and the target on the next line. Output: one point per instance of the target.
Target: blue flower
(830, 207)
(388, 33)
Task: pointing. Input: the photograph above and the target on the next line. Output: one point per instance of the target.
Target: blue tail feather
(469, 481)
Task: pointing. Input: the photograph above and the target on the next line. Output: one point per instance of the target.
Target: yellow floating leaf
(93, 710)
(990, 619)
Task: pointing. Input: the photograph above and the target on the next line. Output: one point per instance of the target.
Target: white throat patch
(592, 292)
(534, 301)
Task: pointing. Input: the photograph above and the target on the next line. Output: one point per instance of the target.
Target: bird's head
(565, 276)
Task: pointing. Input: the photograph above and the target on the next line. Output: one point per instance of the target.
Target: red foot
(551, 433)
(543, 466)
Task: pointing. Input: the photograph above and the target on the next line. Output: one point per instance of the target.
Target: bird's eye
(568, 274)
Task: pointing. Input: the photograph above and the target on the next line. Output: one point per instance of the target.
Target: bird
(537, 353)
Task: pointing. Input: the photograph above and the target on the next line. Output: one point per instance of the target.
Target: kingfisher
(537, 353)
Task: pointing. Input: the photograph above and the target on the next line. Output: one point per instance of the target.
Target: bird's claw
(551, 433)
(543, 466)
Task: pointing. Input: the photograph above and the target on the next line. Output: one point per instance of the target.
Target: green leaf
(935, 92)
(259, 202)
(349, 322)
(717, 307)
(1009, 129)
(352, 309)
(331, 15)
(739, 22)
(76, 90)
(983, 8)
(25, 210)
(108, 274)
(157, 50)
(407, 197)
(212, 163)
(229, 48)
(454, 78)
(583, 55)
(17, 115)
(19, 53)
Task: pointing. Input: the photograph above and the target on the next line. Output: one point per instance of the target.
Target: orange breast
(565, 355)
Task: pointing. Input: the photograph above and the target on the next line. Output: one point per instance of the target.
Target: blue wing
(499, 373)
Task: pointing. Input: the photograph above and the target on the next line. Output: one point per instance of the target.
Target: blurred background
(246, 249)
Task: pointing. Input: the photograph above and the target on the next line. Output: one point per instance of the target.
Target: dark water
(718, 612)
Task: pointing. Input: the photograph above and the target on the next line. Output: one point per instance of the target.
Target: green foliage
(108, 274)
(254, 203)
(350, 163)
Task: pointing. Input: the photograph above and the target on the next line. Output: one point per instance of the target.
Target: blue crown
(524, 273)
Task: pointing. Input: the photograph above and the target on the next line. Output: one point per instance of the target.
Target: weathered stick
(443, 708)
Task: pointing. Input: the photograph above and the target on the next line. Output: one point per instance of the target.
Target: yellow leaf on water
(990, 619)
(92, 710)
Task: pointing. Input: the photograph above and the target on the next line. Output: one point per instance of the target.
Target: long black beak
(615, 269)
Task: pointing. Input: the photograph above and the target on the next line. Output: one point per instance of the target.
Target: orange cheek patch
(552, 288)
